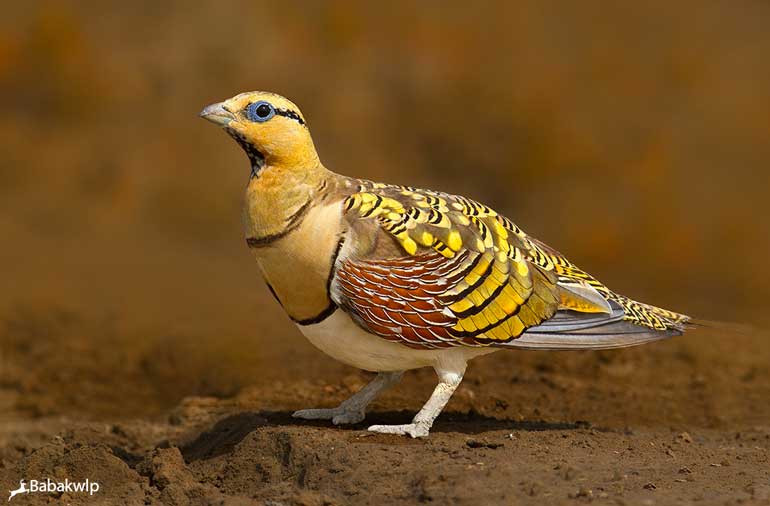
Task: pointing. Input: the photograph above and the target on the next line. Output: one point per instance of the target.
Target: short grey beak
(216, 113)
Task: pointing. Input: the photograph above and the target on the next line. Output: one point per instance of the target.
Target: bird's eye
(260, 111)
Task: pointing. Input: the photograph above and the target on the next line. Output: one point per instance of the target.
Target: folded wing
(466, 276)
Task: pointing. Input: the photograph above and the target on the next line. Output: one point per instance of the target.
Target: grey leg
(449, 380)
(353, 410)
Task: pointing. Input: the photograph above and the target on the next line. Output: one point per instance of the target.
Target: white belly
(340, 338)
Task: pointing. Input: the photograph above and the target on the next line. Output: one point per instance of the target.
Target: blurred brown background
(634, 137)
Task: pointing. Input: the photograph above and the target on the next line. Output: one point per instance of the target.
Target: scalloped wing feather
(468, 276)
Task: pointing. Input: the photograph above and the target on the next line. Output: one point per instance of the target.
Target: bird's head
(269, 128)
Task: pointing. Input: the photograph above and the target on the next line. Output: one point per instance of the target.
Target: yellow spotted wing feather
(467, 276)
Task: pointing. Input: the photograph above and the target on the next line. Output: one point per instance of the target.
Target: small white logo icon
(21, 490)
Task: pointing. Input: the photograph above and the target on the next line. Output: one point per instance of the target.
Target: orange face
(269, 128)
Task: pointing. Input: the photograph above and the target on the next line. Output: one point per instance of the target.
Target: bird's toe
(336, 415)
(412, 429)
(314, 414)
(348, 417)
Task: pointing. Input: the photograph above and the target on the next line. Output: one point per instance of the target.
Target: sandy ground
(679, 422)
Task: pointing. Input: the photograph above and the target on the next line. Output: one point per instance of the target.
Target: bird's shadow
(222, 437)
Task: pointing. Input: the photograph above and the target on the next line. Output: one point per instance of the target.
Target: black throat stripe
(256, 158)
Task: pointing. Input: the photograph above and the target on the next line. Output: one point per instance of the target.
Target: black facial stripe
(287, 113)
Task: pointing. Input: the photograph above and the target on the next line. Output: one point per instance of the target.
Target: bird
(388, 278)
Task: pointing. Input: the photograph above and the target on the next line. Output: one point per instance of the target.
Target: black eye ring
(260, 111)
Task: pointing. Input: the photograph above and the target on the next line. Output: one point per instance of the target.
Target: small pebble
(475, 443)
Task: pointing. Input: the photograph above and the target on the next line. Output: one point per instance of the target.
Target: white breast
(340, 338)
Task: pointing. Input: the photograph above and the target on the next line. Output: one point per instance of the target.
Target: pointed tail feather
(612, 335)
(723, 326)
(570, 330)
